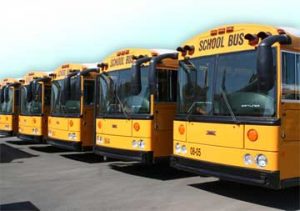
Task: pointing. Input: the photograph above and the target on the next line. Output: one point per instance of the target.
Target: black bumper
(35, 139)
(235, 174)
(69, 145)
(6, 133)
(129, 155)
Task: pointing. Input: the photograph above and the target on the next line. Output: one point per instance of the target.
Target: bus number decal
(195, 151)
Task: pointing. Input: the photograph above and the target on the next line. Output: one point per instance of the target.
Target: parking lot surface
(41, 177)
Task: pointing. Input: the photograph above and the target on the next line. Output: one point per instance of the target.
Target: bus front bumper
(129, 155)
(31, 138)
(6, 133)
(69, 145)
(236, 174)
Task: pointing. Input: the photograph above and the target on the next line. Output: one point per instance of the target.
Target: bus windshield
(31, 100)
(224, 85)
(7, 98)
(115, 97)
(65, 99)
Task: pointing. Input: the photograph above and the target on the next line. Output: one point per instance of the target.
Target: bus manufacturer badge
(114, 126)
(211, 132)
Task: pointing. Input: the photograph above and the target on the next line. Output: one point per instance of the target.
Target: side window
(290, 88)
(89, 87)
(166, 85)
(47, 99)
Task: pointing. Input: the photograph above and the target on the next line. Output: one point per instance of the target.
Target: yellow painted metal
(229, 135)
(30, 125)
(268, 138)
(226, 155)
(6, 122)
(59, 128)
(122, 142)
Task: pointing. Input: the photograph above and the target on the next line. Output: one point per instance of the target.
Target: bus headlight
(99, 140)
(177, 148)
(247, 159)
(183, 149)
(50, 133)
(134, 144)
(34, 130)
(72, 136)
(142, 144)
(261, 160)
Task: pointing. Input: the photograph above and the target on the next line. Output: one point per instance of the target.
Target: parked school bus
(71, 120)
(9, 106)
(136, 95)
(35, 94)
(238, 105)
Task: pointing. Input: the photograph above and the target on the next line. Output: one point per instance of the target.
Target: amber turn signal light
(252, 135)
(99, 124)
(181, 129)
(71, 123)
(136, 126)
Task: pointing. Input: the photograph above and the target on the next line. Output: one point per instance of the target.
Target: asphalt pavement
(41, 177)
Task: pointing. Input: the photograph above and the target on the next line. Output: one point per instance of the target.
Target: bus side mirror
(136, 81)
(265, 69)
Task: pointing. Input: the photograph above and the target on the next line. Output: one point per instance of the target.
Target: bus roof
(65, 69)
(6, 81)
(123, 59)
(30, 76)
(231, 38)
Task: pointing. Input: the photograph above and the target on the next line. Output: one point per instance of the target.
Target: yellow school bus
(71, 119)
(9, 106)
(238, 105)
(35, 94)
(135, 104)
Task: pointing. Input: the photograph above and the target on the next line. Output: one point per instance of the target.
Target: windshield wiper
(224, 95)
(108, 80)
(189, 111)
(120, 102)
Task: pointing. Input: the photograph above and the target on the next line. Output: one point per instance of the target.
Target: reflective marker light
(261, 160)
(247, 159)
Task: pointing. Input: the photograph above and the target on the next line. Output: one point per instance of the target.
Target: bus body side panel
(290, 144)
(162, 140)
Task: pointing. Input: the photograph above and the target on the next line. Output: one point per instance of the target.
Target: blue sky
(41, 35)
